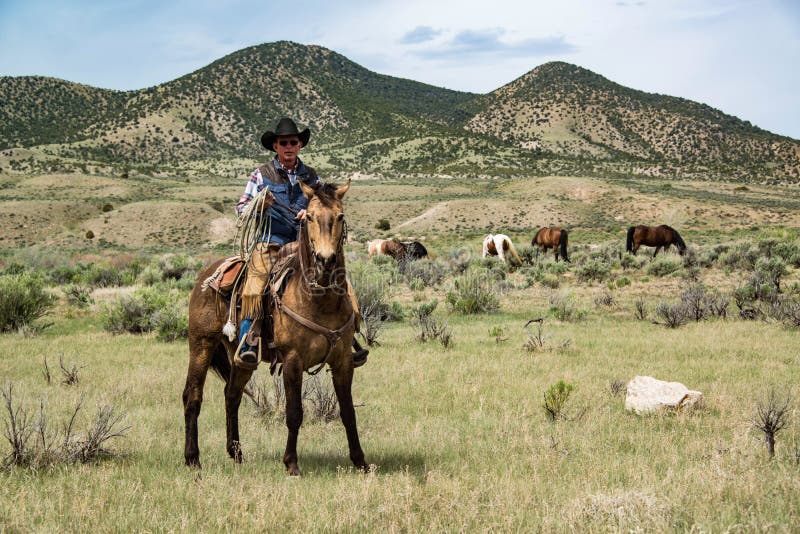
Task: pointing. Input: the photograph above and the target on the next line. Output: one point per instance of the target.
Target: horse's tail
(220, 363)
(678, 240)
(629, 242)
(562, 245)
(535, 236)
(513, 252)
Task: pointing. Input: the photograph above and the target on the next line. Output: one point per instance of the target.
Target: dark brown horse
(314, 322)
(554, 237)
(654, 236)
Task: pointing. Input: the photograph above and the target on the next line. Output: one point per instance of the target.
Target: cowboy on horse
(279, 211)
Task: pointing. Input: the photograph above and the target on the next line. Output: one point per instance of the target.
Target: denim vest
(283, 227)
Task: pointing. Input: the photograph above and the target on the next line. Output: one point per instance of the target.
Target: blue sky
(742, 57)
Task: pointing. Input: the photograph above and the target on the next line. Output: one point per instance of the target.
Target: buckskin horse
(314, 323)
(499, 245)
(654, 236)
(554, 237)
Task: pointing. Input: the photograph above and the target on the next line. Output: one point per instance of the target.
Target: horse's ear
(308, 191)
(342, 189)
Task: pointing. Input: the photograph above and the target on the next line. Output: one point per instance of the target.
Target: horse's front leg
(200, 354)
(233, 399)
(656, 252)
(293, 387)
(342, 384)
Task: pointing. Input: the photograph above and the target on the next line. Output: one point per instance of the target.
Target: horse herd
(552, 238)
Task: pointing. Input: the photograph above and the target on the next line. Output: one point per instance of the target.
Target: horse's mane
(326, 193)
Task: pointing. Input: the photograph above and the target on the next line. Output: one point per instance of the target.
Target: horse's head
(325, 227)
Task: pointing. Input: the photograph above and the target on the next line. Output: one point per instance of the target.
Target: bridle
(335, 282)
(307, 249)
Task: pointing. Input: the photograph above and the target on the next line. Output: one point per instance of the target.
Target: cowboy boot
(359, 354)
(247, 354)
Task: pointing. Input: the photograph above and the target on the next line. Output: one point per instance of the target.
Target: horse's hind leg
(293, 387)
(656, 252)
(342, 384)
(200, 355)
(233, 399)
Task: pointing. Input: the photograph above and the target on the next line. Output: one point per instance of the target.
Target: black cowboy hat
(285, 127)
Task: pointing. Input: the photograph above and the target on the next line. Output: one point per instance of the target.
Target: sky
(740, 56)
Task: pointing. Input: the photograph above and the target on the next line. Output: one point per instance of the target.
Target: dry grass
(457, 436)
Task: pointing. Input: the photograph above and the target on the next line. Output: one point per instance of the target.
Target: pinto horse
(654, 236)
(554, 237)
(500, 245)
(314, 323)
(387, 247)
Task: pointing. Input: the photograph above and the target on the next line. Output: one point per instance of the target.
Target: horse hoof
(293, 471)
(193, 462)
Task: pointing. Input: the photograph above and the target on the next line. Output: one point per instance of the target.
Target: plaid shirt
(283, 226)
(257, 183)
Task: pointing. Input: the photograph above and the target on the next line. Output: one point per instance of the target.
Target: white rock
(646, 394)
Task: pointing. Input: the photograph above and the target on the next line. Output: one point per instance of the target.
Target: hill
(565, 109)
(557, 119)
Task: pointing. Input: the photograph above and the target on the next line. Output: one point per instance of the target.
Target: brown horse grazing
(387, 247)
(554, 237)
(654, 236)
(314, 323)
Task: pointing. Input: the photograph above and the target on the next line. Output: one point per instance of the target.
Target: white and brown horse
(387, 247)
(500, 245)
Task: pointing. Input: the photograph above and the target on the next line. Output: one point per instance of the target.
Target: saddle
(225, 276)
(225, 282)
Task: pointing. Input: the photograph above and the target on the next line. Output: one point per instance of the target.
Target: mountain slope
(565, 109)
(556, 119)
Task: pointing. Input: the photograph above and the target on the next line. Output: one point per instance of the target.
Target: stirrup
(247, 359)
(359, 354)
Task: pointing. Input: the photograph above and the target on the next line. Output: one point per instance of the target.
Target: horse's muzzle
(325, 264)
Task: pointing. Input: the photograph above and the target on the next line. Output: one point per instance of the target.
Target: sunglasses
(284, 142)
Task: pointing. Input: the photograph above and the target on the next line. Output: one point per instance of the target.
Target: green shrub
(492, 268)
(528, 255)
(459, 259)
(395, 312)
(141, 312)
(788, 252)
(563, 308)
(102, 275)
(429, 272)
(622, 282)
(371, 289)
(741, 256)
(172, 324)
(663, 266)
(555, 399)
(593, 270)
(557, 267)
(383, 224)
(473, 293)
(177, 266)
(629, 261)
(78, 295)
(551, 281)
(23, 299)
(674, 315)
(14, 268)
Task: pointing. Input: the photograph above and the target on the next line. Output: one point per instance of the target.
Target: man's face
(287, 147)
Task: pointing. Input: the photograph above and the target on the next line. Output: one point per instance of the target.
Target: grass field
(457, 436)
